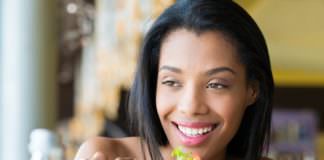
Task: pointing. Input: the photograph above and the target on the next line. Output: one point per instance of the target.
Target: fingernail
(98, 156)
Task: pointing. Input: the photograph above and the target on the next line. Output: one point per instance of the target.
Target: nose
(192, 101)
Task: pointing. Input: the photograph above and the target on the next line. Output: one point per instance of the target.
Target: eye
(216, 85)
(171, 83)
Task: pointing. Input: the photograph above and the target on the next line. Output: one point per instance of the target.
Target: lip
(197, 140)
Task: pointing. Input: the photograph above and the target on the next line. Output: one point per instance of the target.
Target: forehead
(183, 48)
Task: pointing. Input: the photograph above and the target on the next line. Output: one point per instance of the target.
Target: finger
(124, 158)
(98, 156)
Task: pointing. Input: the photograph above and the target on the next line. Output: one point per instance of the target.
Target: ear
(253, 92)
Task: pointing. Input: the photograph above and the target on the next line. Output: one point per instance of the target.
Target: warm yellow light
(298, 78)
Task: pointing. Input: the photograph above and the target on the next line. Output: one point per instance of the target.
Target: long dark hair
(199, 16)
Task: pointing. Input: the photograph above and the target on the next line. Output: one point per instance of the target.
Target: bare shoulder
(262, 158)
(110, 147)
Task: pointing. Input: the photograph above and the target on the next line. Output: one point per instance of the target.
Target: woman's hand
(101, 156)
(99, 148)
(125, 158)
(96, 156)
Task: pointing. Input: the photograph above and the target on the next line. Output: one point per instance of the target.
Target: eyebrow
(170, 68)
(220, 69)
(209, 72)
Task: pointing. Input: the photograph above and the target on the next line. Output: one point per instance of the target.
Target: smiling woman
(203, 83)
(202, 92)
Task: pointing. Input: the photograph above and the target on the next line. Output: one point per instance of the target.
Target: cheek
(230, 108)
(164, 102)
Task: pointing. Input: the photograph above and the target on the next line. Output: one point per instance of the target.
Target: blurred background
(67, 65)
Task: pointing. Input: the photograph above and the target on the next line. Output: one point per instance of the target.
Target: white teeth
(201, 131)
(205, 130)
(194, 131)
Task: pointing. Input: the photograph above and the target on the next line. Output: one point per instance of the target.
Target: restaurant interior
(66, 67)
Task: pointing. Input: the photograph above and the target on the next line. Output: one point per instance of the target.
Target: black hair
(199, 16)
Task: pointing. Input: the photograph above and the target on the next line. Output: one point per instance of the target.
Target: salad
(178, 154)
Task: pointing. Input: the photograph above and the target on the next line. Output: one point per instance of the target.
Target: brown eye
(171, 83)
(216, 86)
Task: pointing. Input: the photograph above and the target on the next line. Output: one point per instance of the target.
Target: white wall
(28, 67)
(0, 78)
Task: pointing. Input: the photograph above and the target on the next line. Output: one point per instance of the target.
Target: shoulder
(262, 158)
(110, 147)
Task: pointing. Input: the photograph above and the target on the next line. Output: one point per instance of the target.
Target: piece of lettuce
(178, 154)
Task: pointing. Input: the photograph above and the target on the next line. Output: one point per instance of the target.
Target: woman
(203, 83)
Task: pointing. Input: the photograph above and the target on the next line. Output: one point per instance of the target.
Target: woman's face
(202, 92)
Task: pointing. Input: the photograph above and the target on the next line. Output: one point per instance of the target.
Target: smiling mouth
(195, 130)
